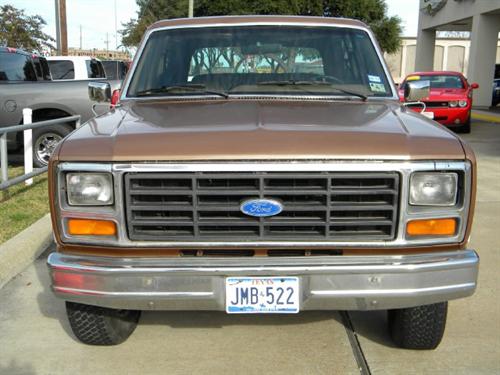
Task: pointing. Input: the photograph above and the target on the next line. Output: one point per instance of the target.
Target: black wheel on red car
(420, 327)
(465, 128)
(95, 325)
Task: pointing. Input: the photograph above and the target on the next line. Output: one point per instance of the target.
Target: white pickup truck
(65, 68)
(21, 86)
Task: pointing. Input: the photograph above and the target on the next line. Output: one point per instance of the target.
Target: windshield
(62, 69)
(270, 60)
(94, 69)
(42, 69)
(16, 67)
(115, 70)
(438, 81)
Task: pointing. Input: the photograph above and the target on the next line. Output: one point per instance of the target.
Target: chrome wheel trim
(45, 145)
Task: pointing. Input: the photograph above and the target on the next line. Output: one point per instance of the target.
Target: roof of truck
(221, 20)
(71, 58)
(14, 50)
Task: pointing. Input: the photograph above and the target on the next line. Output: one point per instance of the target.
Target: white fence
(27, 129)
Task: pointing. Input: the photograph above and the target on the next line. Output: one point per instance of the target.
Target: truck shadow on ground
(14, 368)
(371, 325)
(219, 319)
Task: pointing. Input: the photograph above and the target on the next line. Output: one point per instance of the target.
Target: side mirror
(100, 92)
(417, 90)
(474, 86)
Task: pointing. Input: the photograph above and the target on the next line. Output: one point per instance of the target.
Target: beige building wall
(449, 54)
(479, 17)
(100, 53)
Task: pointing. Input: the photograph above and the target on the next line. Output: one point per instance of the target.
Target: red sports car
(450, 97)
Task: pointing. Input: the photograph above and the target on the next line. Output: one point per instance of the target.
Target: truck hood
(259, 130)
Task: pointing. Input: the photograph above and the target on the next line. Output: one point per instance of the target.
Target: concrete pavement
(35, 337)
(471, 343)
(21, 250)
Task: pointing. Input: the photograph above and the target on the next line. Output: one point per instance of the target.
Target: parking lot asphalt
(35, 337)
(471, 344)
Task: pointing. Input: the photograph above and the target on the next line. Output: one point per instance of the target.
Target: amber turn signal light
(90, 227)
(431, 227)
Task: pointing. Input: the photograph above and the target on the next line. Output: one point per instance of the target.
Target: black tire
(95, 325)
(420, 327)
(45, 140)
(465, 128)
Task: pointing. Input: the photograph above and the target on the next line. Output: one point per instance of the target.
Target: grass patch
(23, 205)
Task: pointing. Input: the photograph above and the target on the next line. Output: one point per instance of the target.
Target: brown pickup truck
(261, 165)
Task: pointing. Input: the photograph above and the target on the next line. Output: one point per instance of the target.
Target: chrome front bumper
(326, 283)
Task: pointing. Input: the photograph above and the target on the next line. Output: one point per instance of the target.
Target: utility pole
(80, 36)
(58, 27)
(190, 9)
(107, 42)
(64, 27)
(61, 28)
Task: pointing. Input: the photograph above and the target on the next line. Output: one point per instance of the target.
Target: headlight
(433, 189)
(89, 189)
(462, 103)
(453, 103)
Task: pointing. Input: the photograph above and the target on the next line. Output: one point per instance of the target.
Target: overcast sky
(97, 18)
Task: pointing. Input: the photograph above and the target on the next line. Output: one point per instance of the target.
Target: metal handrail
(39, 124)
(27, 127)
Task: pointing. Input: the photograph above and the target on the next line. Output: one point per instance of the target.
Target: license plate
(262, 295)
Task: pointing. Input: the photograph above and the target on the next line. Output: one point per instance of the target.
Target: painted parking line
(488, 117)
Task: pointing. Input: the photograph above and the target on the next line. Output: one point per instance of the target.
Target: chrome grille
(202, 206)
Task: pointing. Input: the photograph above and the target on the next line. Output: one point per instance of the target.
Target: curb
(21, 250)
(485, 117)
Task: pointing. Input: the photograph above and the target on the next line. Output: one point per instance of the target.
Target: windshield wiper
(294, 83)
(191, 87)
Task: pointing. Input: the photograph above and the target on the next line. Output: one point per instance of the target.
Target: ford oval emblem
(261, 207)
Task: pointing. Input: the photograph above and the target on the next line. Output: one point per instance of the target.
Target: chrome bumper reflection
(327, 283)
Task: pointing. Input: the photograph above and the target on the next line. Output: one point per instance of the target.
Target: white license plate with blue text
(262, 295)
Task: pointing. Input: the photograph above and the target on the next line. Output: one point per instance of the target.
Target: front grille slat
(360, 223)
(324, 206)
(363, 192)
(440, 104)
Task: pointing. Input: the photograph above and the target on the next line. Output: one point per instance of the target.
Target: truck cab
(75, 68)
